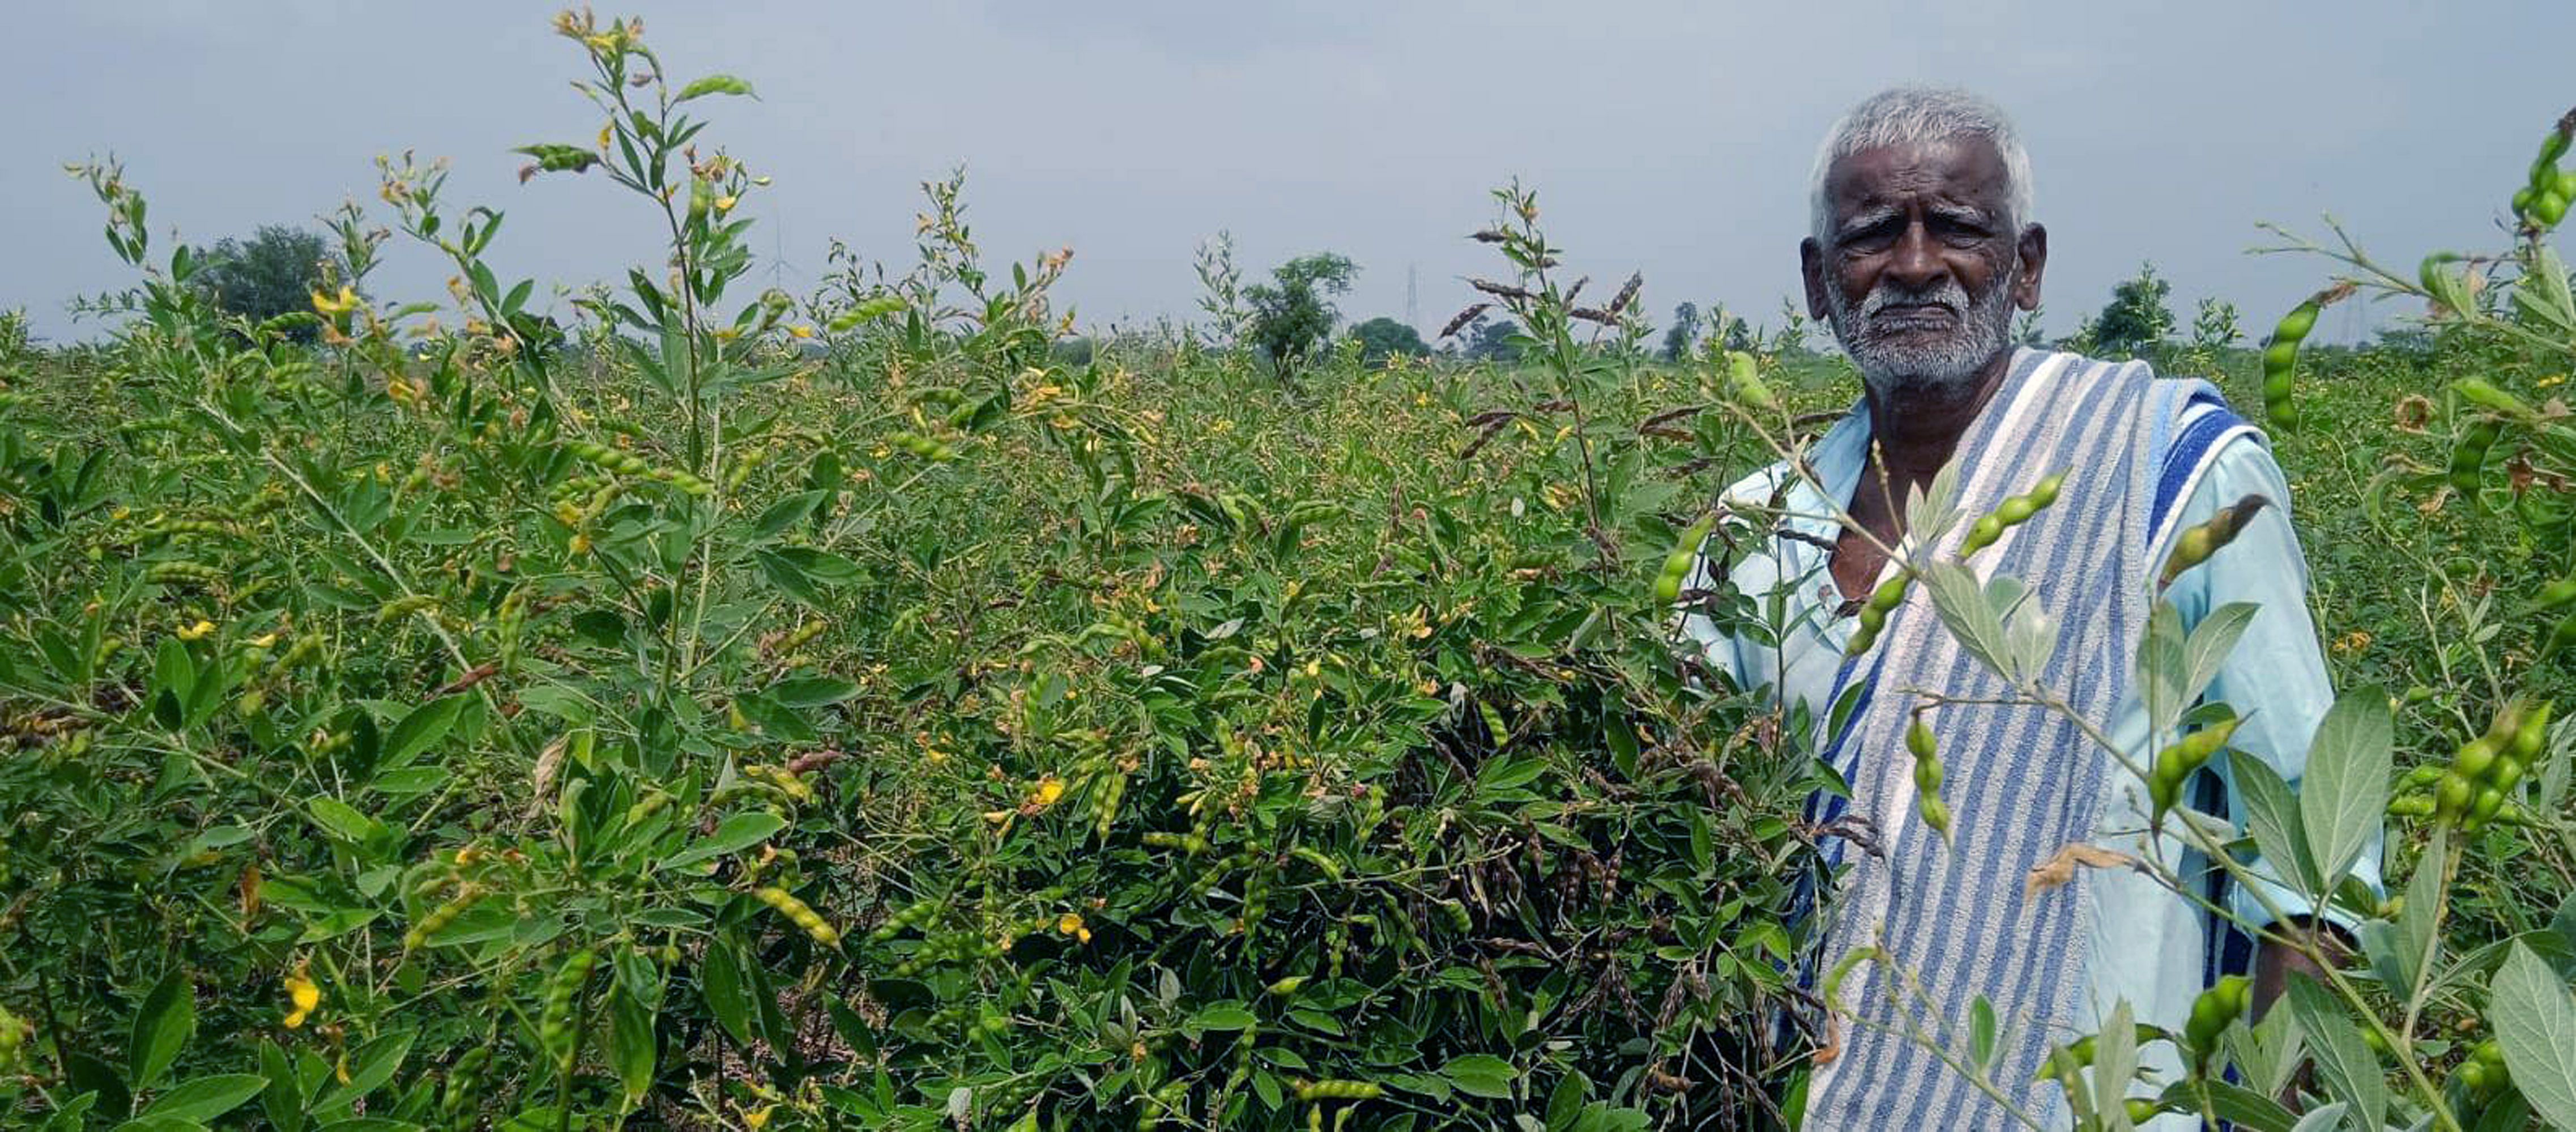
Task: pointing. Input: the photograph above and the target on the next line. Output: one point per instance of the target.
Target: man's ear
(2033, 249)
(1811, 268)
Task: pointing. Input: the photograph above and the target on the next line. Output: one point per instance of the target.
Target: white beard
(1942, 368)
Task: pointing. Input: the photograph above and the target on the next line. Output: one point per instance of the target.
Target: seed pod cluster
(2542, 201)
(630, 464)
(2281, 357)
(2469, 455)
(2474, 789)
(2176, 762)
(174, 573)
(2212, 1013)
(922, 446)
(2482, 1074)
(1339, 1090)
(563, 994)
(1927, 777)
(1189, 843)
(942, 948)
(911, 915)
(1677, 564)
(800, 914)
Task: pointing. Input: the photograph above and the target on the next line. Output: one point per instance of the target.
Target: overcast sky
(1671, 137)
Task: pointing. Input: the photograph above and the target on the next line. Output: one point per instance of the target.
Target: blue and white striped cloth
(2149, 457)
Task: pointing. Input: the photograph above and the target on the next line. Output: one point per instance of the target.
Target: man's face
(1921, 270)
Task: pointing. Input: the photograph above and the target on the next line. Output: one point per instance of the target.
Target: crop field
(882, 708)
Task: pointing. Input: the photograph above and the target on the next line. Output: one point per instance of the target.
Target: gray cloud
(1669, 137)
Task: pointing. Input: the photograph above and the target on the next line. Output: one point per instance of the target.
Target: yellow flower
(801, 330)
(757, 1118)
(198, 631)
(301, 992)
(1071, 924)
(1049, 789)
(725, 203)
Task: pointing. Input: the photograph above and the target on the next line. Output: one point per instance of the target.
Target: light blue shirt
(2150, 945)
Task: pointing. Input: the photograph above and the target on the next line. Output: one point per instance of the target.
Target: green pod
(2549, 208)
(2484, 394)
(2473, 759)
(1983, 534)
(2044, 493)
(1889, 594)
(2531, 733)
(1747, 380)
(2280, 356)
(2522, 199)
(2016, 510)
(2295, 325)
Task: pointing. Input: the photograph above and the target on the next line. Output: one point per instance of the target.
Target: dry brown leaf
(2059, 869)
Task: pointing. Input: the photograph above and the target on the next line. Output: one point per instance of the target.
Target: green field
(857, 710)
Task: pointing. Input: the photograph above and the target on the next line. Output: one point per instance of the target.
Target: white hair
(1921, 116)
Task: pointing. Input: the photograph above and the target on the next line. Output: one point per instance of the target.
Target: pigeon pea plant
(739, 711)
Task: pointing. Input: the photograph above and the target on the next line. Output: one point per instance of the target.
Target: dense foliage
(850, 711)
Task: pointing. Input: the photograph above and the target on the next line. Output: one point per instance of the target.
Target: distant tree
(1290, 317)
(1735, 333)
(275, 272)
(1684, 333)
(1381, 338)
(1490, 341)
(2136, 320)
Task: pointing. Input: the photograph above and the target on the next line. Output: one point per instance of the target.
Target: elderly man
(1922, 249)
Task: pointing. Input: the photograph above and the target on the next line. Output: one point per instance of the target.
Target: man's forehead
(1967, 169)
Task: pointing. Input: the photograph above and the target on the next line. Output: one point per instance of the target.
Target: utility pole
(1412, 299)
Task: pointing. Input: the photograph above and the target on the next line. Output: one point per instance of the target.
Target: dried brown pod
(1489, 236)
(1592, 314)
(1500, 290)
(1464, 317)
(1627, 292)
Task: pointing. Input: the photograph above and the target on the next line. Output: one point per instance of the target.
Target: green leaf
(2115, 1062)
(204, 1098)
(341, 820)
(2345, 789)
(161, 1029)
(1223, 1016)
(2535, 1022)
(714, 84)
(812, 691)
(1480, 1074)
(737, 833)
(2210, 642)
(369, 1068)
(631, 1044)
(2349, 1070)
(2272, 816)
(727, 992)
(1565, 1102)
(1981, 1033)
(283, 1098)
(423, 726)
